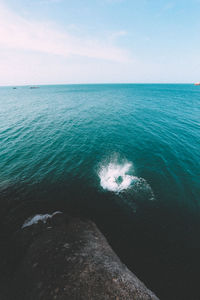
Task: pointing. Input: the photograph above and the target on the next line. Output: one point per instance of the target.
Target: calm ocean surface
(127, 156)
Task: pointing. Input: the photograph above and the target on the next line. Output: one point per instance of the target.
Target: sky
(99, 41)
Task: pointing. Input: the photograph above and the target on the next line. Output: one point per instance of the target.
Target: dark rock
(68, 258)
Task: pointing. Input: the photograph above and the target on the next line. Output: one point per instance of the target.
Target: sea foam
(116, 177)
(34, 220)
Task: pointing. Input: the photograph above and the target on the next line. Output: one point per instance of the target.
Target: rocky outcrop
(68, 258)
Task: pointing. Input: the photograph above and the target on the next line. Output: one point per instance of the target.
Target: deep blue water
(126, 156)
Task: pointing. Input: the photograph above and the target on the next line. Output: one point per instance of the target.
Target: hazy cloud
(18, 33)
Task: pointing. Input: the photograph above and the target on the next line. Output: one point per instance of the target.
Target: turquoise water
(125, 155)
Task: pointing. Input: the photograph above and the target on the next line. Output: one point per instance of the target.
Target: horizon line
(96, 83)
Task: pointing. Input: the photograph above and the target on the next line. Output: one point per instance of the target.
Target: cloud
(114, 1)
(51, 1)
(19, 33)
(118, 34)
(168, 6)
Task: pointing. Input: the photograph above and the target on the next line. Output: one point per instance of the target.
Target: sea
(126, 156)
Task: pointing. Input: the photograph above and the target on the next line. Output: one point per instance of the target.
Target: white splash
(37, 218)
(114, 177)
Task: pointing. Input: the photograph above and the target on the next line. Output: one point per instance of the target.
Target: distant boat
(14, 88)
(197, 83)
(34, 87)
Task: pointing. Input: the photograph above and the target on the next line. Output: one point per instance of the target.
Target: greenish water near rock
(125, 155)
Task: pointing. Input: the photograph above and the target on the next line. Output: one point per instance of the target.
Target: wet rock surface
(67, 258)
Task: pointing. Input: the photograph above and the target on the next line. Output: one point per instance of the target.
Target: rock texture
(68, 258)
